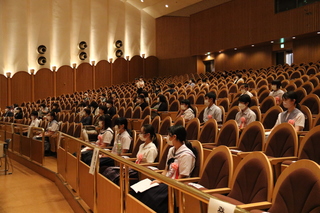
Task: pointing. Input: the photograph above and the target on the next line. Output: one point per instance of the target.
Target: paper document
(143, 185)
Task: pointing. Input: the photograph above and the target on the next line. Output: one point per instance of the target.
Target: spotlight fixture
(272, 42)
(235, 48)
(293, 37)
(42, 60)
(118, 44)
(119, 53)
(252, 45)
(83, 45)
(83, 56)
(42, 49)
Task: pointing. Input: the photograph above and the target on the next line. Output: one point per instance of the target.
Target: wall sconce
(42, 60)
(32, 71)
(93, 62)
(110, 60)
(127, 57)
(54, 68)
(74, 65)
(143, 55)
(8, 74)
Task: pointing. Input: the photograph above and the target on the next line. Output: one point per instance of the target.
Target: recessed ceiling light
(142, 1)
(220, 51)
(166, 5)
(252, 45)
(293, 37)
(235, 48)
(318, 32)
(272, 42)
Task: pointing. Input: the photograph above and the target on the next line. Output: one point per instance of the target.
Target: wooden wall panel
(103, 74)
(306, 50)
(243, 22)
(43, 84)
(84, 77)
(172, 37)
(21, 87)
(254, 58)
(177, 66)
(151, 67)
(120, 71)
(135, 67)
(3, 91)
(64, 80)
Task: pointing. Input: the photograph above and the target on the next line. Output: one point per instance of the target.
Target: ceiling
(157, 8)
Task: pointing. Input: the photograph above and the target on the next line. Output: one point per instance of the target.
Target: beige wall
(62, 24)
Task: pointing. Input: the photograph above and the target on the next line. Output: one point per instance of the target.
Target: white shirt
(140, 84)
(188, 114)
(278, 93)
(107, 135)
(125, 140)
(248, 93)
(248, 114)
(149, 152)
(299, 120)
(35, 123)
(185, 159)
(53, 126)
(214, 111)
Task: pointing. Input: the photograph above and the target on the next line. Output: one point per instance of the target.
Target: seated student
(292, 114)
(55, 108)
(186, 110)
(111, 110)
(103, 97)
(114, 97)
(171, 88)
(105, 138)
(212, 110)
(52, 128)
(18, 114)
(160, 106)
(245, 90)
(94, 108)
(141, 102)
(276, 91)
(238, 79)
(180, 163)
(34, 122)
(81, 108)
(93, 129)
(191, 83)
(8, 112)
(157, 90)
(43, 110)
(146, 96)
(246, 115)
(204, 82)
(86, 119)
(148, 151)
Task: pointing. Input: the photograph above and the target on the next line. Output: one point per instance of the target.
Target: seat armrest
(131, 159)
(218, 191)
(257, 205)
(244, 154)
(275, 161)
(192, 179)
(149, 164)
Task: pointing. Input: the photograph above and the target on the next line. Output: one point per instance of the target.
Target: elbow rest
(218, 191)
(275, 161)
(258, 205)
(191, 180)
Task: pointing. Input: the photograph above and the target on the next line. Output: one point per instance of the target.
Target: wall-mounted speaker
(119, 53)
(83, 56)
(42, 49)
(42, 60)
(118, 44)
(82, 45)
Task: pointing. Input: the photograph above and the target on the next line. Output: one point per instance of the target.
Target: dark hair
(293, 96)
(115, 94)
(181, 135)
(94, 104)
(104, 95)
(148, 128)
(18, 108)
(107, 121)
(145, 93)
(141, 97)
(88, 111)
(34, 113)
(245, 99)
(82, 104)
(121, 121)
(52, 114)
(109, 101)
(43, 105)
(204, 80)
(276, 82)
(192, 80)
(104, 109)
(162, 98)
(245, 85)
(187, 102)
(171, 85)
(211, 95)
(239, 75)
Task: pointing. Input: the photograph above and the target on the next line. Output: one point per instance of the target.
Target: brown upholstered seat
(231, 114)
(164, 126)
(252, 138)
(267, 103)
(209, 131)
(193, 129)
(128, 112)
(156, 123)
(270, 117)
(225, 103)
(313, 102)
(264, 94)
(136, 113)
(180, 121)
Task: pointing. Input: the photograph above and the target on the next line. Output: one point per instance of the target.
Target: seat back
(78, 130)
(128, 113)
(270, 117)
(146, 112)
(209, 131)
(163, 156)
(228, 134)
(267, 103)
(231, 114)
(199, 158)
(313, 102)
(164, 126)
(180, 121)
(257, 111)
(156, 123)
(297, 189)
(174, 106)
(282, 142)
(253, 179)
(136, 113)
(252, 138)
(310, 146)
(193, 129)
(308, 117)
(217, 169)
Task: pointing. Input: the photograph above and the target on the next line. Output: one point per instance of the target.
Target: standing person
(212, 111)
(292, 114)
(180, 163)
(245, 116)
(186, 110)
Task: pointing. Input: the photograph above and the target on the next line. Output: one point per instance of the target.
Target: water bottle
(118, 148)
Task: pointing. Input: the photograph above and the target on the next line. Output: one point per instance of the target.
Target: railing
(99, 193)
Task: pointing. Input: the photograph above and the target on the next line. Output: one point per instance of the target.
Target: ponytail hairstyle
(292, 95)
(148, 128)
(181, 135)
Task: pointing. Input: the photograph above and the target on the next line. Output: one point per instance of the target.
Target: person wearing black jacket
(141, 102)
(111, 110)
(86, 119)
(19, 114)
(160, 106)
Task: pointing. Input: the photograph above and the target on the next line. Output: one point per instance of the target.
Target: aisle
(26, 191)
